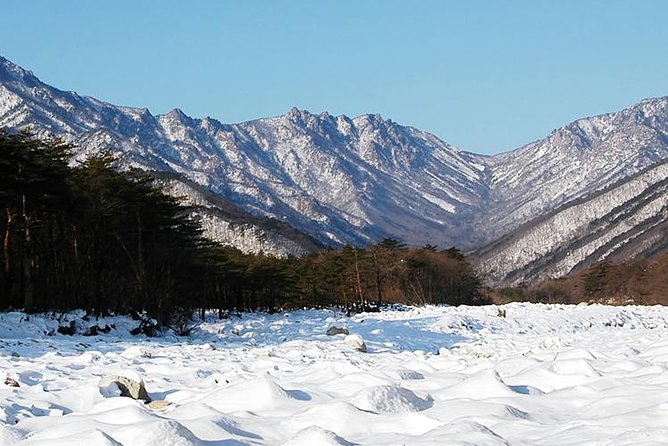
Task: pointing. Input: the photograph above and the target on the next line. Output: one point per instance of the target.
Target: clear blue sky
(486, 76)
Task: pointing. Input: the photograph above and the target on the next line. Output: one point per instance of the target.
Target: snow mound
(546, 380)
(409, 374)
(118, 404)
(158, 433)
(315, 435)
(122, 414)
(92, 437)
(576, 353)
(336, 416)
(255, 394)
(206, 422)
(466, 433)
(389, 399)
(574, 367)
(482, 385)
(9, 434)
(134, 352)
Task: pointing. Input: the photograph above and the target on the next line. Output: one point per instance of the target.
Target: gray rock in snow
(333, 330)
(158, 404)
(128, 387)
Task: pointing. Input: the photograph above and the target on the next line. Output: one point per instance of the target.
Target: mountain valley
(295, 182)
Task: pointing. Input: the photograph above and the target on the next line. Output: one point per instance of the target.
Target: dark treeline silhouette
(95, 238)
(89, 236)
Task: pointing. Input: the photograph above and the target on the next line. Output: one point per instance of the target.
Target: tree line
(387, 272)
(90, 236)
(633, 281)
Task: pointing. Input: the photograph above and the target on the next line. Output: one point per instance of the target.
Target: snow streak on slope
(229, 225)
(580, 233)
(542, 375)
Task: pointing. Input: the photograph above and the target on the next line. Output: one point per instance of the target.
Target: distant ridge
(626, 220)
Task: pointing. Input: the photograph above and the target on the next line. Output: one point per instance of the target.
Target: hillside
(626, 220)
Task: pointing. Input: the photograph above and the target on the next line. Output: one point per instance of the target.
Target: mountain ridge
(259, 164)
(627, 219)
(355, 180)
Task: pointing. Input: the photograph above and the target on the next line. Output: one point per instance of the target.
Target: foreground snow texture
(544, 374)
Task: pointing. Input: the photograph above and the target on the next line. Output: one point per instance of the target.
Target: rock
(333, 330)
(158, 404)
(95, 330)
(131, 387)
(11, 382)
(68, 330)
(356, 341)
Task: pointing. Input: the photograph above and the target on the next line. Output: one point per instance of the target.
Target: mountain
(626, 220)
(350, 180)
(224, 222)
(341, 180)
(572, 162)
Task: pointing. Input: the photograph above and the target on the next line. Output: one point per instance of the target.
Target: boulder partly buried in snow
(11, 382)
(159, 405)
(389, 399)
(355, 341)
(129, 384)
(334, 330)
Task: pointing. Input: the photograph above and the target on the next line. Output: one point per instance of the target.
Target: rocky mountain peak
(10, 72)
(654, 106)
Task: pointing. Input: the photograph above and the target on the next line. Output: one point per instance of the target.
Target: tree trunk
(379, 282)
(359, 281)
(5, 243)
(28, 286)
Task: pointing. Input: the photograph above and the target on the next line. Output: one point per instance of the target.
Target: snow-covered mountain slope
(574, 161)
(625, 220)
(230, 225)
(342, 180)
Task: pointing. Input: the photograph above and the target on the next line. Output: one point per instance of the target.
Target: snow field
(543, 375)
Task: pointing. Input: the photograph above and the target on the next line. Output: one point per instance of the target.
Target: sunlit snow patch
(389, 399)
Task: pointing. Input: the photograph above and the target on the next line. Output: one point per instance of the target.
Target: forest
(89, 236)
(640, 281)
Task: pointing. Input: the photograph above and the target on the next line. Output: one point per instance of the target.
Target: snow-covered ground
(543, 374)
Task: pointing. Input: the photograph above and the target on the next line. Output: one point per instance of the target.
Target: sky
(485, 76)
